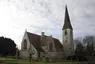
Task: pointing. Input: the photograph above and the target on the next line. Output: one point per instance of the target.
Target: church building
(43, 46)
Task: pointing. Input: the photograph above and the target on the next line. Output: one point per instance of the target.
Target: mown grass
(26, 61)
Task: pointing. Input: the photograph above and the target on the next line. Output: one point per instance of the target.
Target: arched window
(25, 44)
(65, 32)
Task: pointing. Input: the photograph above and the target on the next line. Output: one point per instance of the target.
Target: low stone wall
(52, 55)
(60, 55)
(24, 54)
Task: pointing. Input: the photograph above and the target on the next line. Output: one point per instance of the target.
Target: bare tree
(89, 41)
(79, 49)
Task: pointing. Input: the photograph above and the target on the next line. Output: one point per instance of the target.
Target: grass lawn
(20, 61)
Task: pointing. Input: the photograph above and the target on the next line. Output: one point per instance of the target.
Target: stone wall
(52, 55)
(67, 40)
(24, 54)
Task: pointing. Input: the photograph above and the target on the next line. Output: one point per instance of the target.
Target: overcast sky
(45, 16)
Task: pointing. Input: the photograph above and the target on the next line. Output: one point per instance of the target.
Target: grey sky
(45, 15)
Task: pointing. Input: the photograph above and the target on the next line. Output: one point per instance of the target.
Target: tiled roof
(35, 41)
(58, 45)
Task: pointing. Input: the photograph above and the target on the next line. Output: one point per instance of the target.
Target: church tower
(67, 35)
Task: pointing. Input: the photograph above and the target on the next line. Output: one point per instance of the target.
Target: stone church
(43, 46)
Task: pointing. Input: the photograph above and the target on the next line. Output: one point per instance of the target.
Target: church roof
(58, 45)
(67, 23)
(35, 41)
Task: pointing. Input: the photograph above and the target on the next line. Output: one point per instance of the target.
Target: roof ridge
(33, 33)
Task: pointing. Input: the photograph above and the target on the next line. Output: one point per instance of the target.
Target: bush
(77, 58)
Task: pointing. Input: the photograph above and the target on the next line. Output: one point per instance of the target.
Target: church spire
(67, 23)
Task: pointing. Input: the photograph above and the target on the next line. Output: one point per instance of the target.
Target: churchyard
(10, 60)
(26, 61)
